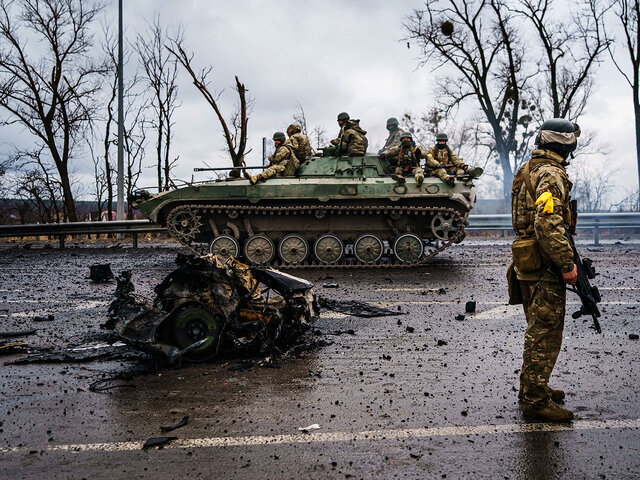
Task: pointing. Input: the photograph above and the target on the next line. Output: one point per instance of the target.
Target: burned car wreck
(208, 305)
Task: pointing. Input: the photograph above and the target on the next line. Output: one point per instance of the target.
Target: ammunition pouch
(515, 291)
(526, 255)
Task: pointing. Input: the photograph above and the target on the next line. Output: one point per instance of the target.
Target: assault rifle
(589, 295)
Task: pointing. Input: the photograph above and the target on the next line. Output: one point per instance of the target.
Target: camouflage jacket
(282, 154)
(404, 156)
(301, 145)
(393, 140)
(336, 140)
(546, 221)
(354, 142)
(443, 156)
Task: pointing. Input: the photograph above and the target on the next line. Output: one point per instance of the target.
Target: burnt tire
(192, 325)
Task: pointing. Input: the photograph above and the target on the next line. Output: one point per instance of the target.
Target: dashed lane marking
(367, 435)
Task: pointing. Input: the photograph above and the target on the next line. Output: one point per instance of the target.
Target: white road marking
(498, 313)
(330, 314)
(411, 433)
(402, 302)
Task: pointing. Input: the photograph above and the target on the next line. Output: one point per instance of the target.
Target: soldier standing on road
(351, 139)
(540, 208)
(299, 142)
(394, 138)
(405, 157)
(282, 163)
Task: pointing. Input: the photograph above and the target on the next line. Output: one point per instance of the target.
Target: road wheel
(293, 248)
(328, 248)
(224, 246)
(408, 248)
(368, 248)
(259, 249)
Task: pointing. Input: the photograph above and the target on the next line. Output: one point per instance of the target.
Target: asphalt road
(436, 402)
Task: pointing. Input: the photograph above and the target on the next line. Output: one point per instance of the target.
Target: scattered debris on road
(460, 317)
(356, 308)
(100, 273)
(330, 285)
(308, 429)
(18, 333)
(470, 307)
(42, 318)
(181, 423)
(157, 442)
(634, 336)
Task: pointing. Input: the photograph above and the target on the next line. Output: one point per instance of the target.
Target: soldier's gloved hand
(571, 277)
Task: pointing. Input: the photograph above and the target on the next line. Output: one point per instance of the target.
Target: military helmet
(293, 129)
(558, 134)
(406, 135)
(442, 137)
(279, 136)
(392, 121)
(343, 116)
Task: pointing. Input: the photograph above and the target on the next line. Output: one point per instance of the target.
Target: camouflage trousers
(442, 174)
(417, 172)
(276, 170)
(544, 308)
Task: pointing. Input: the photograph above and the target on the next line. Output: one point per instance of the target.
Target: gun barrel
(222, 169)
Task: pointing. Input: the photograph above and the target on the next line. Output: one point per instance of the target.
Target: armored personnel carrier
(336, 211)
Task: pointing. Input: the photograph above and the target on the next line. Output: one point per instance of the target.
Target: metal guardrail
(585, 220)
(61, 230)
(595, 221)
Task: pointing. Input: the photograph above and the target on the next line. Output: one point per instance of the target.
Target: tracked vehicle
(336, 211)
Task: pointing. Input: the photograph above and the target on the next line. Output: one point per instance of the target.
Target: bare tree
(52, 94)
(478, 41)
(160, 70)
(135, 140)
(592, 184)
(570, 52)
(317, 135)
(236, 136)
(300, 118)
(627, 14)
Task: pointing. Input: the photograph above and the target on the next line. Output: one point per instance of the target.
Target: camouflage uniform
(279, 163)
(444, 156)
(405, 158)
(393, 140)
(351, 139)
(543, 293)
(299, 142)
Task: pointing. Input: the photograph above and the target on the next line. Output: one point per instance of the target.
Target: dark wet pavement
(381, 400)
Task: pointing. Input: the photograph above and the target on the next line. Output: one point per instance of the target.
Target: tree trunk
(69, 204)
(507, 182)
(636, 110)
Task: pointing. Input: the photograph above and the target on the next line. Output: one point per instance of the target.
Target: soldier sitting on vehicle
(299, 142)
(445, 163)
(405, 159)
(282, 163)
(351, 139)
(394, 137)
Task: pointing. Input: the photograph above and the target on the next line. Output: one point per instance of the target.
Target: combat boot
(419, 180)
(547, 412)
(398, 178)
(557, 395)
(451, 182)
(252, 179)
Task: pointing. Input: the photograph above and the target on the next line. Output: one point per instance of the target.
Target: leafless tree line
(65, 95)
(519, 62)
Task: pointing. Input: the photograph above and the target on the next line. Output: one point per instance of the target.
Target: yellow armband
(547, 199)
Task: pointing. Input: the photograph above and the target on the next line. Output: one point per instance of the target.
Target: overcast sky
(330, 56)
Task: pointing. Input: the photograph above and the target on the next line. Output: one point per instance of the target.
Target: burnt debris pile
(208, 305)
